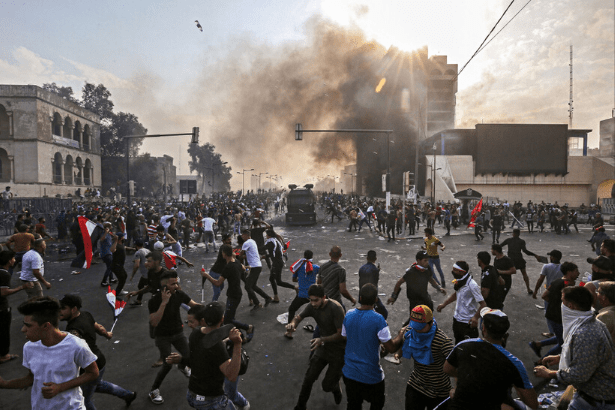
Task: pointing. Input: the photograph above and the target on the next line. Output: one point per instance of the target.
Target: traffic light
(298, 133)
(195, 135)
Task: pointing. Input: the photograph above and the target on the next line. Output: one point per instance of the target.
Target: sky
(159, 66)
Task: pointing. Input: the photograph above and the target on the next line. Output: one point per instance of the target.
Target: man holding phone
(166, 319)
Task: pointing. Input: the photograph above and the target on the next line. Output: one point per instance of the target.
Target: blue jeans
(558, 330)
(237, 228)
(108, 259)
(101, 386)
(579, 403)
(217, 289)
(436, 262)
(230, 389)
(209, 402)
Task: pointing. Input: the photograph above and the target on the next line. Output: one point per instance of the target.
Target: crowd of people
(347, 343)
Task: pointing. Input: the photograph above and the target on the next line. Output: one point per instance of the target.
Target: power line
(496, 34)
(481, 44)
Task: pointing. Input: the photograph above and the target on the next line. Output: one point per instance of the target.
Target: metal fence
(49, 208)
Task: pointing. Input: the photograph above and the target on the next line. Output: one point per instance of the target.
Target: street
(277, 365)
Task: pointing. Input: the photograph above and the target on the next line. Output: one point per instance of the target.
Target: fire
(381, 84)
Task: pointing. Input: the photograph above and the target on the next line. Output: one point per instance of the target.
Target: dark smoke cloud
(252, 98)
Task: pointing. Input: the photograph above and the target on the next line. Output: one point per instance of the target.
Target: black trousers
(252, 286)
(415, 400)
(463, 331)
(5, 332)
(275, 278)
(295, 305)
(357, 392)
(121, 274)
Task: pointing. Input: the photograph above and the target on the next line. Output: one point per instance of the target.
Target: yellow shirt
(431, 244)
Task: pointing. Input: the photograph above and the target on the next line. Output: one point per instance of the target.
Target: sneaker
(131, 399)
(268, 301)
(155, 397)
(246, 407)
(186, 371)
(124, 292)
(104, 283)
(337, 394)
(535, 348)
(256, 307)
(114, 280)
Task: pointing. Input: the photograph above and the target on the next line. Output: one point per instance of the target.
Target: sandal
(309, 328)
(288, 335)
(9, 358)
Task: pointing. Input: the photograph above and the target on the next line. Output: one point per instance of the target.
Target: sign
(384, 182)
(187, 186)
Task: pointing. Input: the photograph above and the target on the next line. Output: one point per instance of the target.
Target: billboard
(521, 149)
(187, 186)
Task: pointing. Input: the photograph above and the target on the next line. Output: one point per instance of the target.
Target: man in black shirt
(516, 245)
(416, 278)
(210, 360)
(491, 283)
(117, 265)
(370, 273)
(155, 271)
(496, 226)
(486, 371)
(328, 347)
(232, 272)
(165, 318)
(7, 260)
(504, 266)
(83, 325)
(218, 267)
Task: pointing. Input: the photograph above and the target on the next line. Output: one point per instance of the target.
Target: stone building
(48, 145)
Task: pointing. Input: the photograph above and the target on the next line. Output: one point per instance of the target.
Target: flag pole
(111, 331)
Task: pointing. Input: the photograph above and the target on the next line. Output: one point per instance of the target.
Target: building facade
(48, 145)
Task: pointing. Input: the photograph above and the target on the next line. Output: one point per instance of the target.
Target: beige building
(48, 145)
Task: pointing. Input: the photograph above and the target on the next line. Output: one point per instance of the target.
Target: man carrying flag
(170, 257)
(475, 212)
(90, 232)
(304, 273)
(83, 325)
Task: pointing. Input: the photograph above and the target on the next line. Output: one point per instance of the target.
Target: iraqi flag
(169, 259)
(117, 305)
(475, 213)
(90, 232)
(309, 268)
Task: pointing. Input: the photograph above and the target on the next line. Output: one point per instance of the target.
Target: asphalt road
(277, 365)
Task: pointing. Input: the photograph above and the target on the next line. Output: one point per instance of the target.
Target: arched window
(56, 125)
(5, 126)
(87, 176)
(450, 72)
(57, 168)
(77, 132)
(435, 72)
(67, 130)
(86, 137)
(5, 166)
(68, 170)
(79, 172)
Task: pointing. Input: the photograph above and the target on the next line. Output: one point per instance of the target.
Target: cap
(71, 301)
(601, 262)
(159, 246)
(556, 254)
(421, 314)
(495, 320)
(214, 311)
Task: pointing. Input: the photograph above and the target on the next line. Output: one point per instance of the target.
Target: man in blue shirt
(304, 273)
(365, 330)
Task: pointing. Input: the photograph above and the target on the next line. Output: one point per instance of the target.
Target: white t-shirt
(31, 260)
(208, 224)
(6, 194)
(58, 364)
(141, 254)
(468, 297)
(254, 259)
(551, 271)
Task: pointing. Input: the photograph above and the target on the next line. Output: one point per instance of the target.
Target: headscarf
(418, 345)
(572, 320)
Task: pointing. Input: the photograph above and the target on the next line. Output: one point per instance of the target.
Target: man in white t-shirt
(208, 227)
(249, 252)
(53, 358)
(33, 269)
(7, 194)
(469, 302)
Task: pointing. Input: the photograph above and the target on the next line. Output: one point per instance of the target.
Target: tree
(64, 92)
(206, 161)
(114, 127)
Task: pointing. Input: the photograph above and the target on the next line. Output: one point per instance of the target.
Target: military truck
(300, 205)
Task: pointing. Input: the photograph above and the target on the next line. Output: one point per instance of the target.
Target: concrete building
(544, 170)
(48, 145)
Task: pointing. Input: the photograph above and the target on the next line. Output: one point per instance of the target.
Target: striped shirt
(431, 379)
(151, 231)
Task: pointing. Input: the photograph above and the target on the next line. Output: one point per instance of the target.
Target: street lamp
(270, 175)
(351, 180)
(259, 178)
(433, 193)
(243, 178)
